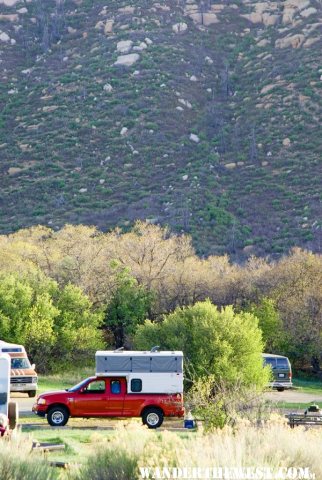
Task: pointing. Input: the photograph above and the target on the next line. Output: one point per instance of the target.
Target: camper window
(136, 385)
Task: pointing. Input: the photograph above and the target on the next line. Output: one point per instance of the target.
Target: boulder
(4, 37)
(179, 27)
(9, 18)
(124, 46)
(263, 43)
(294, 41)
(108, 29)
(308, 12)
(9, 3)
(128, 10)
(108, 88)
(127, 60)
(194, 138)
(209, 19)
(99, 26)
(253, 17)
(270, 20)
(14, 170)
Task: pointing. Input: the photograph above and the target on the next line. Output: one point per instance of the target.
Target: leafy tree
(16, 298)
(127, 308)
(56, 325)
(274, 335)
(39, 331)
(221, 343)
(76, 326)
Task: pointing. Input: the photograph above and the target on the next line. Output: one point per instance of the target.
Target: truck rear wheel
(152, 417)
(57, 416)
(13, 415)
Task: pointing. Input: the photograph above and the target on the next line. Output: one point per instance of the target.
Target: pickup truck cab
(108, 396)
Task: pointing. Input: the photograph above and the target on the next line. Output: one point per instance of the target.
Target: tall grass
(17, 462)
(120, 455)
(274, 446)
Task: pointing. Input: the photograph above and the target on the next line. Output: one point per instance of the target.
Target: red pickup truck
(107, 396)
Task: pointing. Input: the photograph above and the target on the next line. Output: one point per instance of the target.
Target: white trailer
(7, 408)
(155, 371)
(4, 383)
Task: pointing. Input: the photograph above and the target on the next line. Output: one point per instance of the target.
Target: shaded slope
(83, 140)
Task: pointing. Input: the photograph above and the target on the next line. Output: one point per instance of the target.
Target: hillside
(204, 116)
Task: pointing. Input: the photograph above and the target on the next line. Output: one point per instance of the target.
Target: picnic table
(295, 419)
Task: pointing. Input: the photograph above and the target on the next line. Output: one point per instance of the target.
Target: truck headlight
(41, 401)
(34, 379)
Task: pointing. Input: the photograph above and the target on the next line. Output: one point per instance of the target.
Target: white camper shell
(155, 372)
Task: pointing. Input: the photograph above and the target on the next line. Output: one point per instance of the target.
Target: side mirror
(33, 366)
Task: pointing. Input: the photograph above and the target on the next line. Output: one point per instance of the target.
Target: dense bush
(218, 343)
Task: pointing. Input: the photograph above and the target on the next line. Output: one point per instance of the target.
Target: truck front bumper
(23, 387)
(39, 410)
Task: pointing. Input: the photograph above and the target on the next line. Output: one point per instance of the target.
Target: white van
(23, 377)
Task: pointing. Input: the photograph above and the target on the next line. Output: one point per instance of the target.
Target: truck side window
(96, 387)
(115, 386)
(136, 385)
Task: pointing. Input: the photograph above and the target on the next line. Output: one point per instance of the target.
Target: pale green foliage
(54, 324)
(223, 343)
(16, 299)
(269, 321)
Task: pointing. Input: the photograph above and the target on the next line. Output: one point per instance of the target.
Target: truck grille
(21, 380)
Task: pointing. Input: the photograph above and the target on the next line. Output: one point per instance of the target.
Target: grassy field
(61, 381)
(307, 385)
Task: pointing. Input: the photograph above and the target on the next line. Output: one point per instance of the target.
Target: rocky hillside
(203, 115)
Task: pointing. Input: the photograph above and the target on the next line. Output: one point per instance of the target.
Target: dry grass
(118, 455)
(273, 445)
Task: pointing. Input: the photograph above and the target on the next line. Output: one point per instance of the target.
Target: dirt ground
(293, 396)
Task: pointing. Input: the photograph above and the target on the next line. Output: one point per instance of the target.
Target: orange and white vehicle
(127, 384)
(23, 377)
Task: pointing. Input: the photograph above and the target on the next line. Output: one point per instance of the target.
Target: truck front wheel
(57, 416)
(32, 393)
(152, 417)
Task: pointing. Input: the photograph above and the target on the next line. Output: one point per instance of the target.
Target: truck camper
(23, 377)
(145, 384)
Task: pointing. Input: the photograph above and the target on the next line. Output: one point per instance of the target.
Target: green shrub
(110, 465)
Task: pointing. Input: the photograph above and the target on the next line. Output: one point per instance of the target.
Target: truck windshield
(79, 385)
(20, 363)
